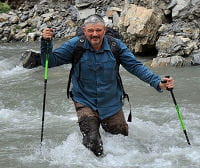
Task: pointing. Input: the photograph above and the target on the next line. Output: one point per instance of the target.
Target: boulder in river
(31, 59)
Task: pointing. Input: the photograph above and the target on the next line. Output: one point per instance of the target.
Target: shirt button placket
(98, 75)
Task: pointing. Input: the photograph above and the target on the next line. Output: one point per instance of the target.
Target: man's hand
(47, 33)
(166, 83)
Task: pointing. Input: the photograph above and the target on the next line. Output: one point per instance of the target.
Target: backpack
(111, 34)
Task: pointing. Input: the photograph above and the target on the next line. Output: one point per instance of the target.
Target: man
(96, 91)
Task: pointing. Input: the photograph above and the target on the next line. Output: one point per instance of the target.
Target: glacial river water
(155, 140)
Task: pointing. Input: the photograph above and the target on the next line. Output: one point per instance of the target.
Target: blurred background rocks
(168, 30)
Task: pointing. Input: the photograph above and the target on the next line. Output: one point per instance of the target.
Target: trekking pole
(48, 42)
(178, 111)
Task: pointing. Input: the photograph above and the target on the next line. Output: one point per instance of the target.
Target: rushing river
(155, 140)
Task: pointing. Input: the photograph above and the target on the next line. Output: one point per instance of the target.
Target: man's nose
(94, 33)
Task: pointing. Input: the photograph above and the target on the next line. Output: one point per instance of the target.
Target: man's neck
(97, 46)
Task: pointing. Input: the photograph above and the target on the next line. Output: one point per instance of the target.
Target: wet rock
(33, 36)
(176, 61)
(31, 59)
(196, 58)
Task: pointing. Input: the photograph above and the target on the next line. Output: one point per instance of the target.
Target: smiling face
(95, 33)
(94, 30)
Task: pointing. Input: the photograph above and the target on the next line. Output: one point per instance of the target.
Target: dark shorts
(115, 124)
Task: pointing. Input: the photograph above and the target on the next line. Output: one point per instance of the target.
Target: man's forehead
(93, 26)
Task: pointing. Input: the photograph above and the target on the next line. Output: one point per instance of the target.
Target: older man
(96, 91)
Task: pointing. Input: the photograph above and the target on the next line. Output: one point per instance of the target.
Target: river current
(155, 140)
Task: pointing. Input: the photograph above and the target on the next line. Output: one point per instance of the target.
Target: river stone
(178, 38)
(3, 24)
(24, 18)
(19, 36)
(177, 61)
(31, 36)
(187, 9)
(111, 10)
(51, 14)
(23, 24)
(179, 5)
(83, 13)
(196, 58)
(34, 20)
(83, 3)
(31, 59)
(4, 17)
(14, 19)
(43, 2)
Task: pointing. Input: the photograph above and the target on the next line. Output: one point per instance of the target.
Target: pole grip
(164, 81)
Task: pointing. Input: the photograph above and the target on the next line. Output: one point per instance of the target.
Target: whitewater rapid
(155, 140)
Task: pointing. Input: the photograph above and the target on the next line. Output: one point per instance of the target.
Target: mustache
(95, 37)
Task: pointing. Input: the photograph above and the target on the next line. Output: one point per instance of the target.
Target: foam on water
(149, 144)
(17, 119)
(10, 63)
(145, 147)
(155, 140)
(13, 71)
(8, 70)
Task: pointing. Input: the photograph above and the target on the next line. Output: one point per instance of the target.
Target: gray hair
(94, 19)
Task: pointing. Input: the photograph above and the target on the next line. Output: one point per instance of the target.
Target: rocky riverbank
(169, 29)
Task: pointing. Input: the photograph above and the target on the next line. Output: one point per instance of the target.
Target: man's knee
(116, 124)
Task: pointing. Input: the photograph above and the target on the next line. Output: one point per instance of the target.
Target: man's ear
(105, 28)
(83, 29)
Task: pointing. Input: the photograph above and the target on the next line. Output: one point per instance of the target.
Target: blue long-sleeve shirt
(94, 78)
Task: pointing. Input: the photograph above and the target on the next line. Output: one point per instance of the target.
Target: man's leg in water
(89, 124)
(115, 124)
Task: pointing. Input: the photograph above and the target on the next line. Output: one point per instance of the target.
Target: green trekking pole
(48, 43)
(178, 111)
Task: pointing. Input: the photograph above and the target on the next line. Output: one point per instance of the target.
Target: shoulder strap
(116, 52)
(114, 47)
(77, 54)
(79, 50)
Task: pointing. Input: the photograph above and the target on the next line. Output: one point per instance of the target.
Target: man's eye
(98, 30)
(90, 31)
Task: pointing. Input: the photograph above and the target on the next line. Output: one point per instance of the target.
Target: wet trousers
(89, 124)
